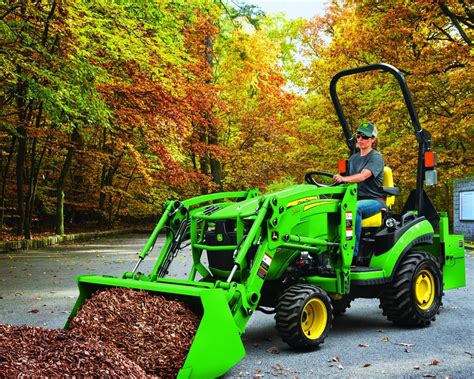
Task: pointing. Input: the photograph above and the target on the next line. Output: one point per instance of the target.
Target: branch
(456, 23)
(468, 10)
(450, 38)
(228, 13)
(44, 38)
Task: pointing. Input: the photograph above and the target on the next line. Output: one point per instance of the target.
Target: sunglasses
(362, 136)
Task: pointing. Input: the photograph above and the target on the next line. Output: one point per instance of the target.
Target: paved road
(38, 288)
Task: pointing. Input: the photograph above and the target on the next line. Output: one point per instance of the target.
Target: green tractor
(290, 253)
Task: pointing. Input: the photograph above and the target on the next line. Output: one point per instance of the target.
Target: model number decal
(348, 225)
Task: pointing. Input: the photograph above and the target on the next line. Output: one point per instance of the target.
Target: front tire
(339, 306)
(303, 316)
(415, 294)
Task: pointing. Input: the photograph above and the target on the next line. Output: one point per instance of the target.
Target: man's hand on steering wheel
(338, 178)
(309, 178)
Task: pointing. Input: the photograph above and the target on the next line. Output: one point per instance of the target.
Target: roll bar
(422, 136)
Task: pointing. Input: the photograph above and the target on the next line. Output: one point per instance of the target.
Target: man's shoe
(355, 262)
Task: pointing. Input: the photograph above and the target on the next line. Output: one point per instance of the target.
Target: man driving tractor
(365, 168)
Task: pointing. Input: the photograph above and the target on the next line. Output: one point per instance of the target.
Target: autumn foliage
(109, 108)
(431, 43)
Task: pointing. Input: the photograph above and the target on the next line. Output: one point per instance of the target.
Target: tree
(430, 42)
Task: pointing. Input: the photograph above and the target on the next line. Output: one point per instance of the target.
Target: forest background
(109, 108)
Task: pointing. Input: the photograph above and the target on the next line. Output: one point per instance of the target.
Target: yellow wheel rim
(314, 319)
(425, 289)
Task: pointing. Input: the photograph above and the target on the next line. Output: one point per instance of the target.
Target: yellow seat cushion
(373, 221)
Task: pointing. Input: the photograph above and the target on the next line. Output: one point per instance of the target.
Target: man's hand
(338, 178)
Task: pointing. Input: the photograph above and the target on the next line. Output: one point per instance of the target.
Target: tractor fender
(420, 233)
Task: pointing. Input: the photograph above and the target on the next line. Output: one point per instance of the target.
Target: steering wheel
(310, 180)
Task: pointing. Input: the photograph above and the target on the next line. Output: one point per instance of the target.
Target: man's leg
(365, 208)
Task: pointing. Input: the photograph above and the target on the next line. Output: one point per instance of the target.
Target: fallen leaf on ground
(434, 362)
(278, 369)
(404, 344)
(34, 310)
(386, 339)
(273, 350)
(367, 365)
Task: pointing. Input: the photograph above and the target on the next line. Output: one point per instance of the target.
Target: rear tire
(303, 316)
(415, 294)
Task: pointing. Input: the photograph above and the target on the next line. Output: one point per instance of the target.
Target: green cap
(367, 129)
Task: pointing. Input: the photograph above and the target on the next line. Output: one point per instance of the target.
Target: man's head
(367, 129)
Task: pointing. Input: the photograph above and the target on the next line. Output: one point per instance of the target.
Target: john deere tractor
(290, 253)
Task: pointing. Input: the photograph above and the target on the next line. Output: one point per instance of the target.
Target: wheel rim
(425, 289)
(314, 318)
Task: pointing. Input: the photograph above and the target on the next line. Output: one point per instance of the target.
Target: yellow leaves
(249, 60)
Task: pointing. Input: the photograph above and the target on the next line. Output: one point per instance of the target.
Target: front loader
(290, 253)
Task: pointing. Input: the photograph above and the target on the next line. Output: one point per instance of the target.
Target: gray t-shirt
(371, 187)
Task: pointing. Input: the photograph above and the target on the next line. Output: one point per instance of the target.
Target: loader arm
(282, 225)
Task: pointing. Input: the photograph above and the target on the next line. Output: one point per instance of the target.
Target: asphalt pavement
(38, 288)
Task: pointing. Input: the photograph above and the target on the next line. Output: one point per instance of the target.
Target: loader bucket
(217, 345)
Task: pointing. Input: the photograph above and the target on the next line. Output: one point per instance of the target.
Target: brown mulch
(118, 332)
(35, 352)
(149, 329)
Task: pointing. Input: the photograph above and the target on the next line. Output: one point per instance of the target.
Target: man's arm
(356, 178)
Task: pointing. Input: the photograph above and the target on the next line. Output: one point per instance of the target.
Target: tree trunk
(104, 198)
(60, 212)
(21, 91)
(29, 197)
(129, 181)
(59, 228)
(212, 137)
(103, 181)
(20, 179)
(4, 180)
(203, 163)
(216, 169)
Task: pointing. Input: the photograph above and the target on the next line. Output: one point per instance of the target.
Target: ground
(38, 288)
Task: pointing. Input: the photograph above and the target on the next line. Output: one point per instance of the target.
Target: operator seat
(376, 220)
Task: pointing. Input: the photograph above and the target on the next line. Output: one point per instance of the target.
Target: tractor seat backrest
(375, 221)
(387, 185)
